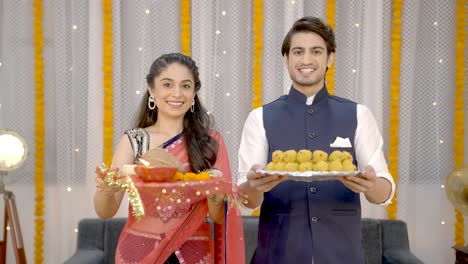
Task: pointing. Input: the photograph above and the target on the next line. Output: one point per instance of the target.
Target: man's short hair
(314, 25)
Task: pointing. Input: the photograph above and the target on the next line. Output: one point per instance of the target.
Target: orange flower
(459, 116)
(190, 176)
(203, 176)
(394, 103)
(179, 176)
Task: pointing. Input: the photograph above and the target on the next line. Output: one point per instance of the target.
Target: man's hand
(252, 190)
(377, 189)
(261, 182)
(362, 182)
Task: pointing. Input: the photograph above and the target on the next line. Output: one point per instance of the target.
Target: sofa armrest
(86, 256)
(395, 243)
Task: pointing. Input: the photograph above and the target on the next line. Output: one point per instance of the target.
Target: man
(311, 222)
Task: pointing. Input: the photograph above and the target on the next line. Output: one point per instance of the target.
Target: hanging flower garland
(459, 108)
(257, 53)
(107, 70)
(395, 102)
(257, 60)
(330, 15)
(185, 27)
(39, 132)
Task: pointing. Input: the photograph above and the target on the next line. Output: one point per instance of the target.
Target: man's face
(307, 61)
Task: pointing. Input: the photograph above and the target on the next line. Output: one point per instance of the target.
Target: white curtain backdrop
(222, 46)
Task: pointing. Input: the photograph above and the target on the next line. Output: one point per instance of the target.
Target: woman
(172, 117)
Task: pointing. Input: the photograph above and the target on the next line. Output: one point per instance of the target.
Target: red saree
(174, 219)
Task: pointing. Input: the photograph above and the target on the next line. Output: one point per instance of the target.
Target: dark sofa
(384, 241)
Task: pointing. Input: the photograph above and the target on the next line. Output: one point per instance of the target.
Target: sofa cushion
(371, 240)
(113, 228)
(90, 233)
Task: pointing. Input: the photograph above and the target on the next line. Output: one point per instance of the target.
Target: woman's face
(174, 90)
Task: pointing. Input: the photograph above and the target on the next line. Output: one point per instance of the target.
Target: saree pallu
(175, 219)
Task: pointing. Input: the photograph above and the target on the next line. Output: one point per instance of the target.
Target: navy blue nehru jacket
(309, 222)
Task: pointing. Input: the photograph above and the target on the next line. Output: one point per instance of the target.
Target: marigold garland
(257, 29)
(330, 15)
(185, 27)
(393, 129)
(39, 132)
(459, 107)
(107, 70)
(190, 176)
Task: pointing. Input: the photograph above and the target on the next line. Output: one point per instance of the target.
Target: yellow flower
(203, 176)
(257, 29)
(179, 176)
(459, 116)
(190, 176)
(394, 103)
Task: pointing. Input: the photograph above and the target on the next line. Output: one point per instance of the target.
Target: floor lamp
(13, 151)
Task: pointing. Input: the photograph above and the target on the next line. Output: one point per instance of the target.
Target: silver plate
(309, 176)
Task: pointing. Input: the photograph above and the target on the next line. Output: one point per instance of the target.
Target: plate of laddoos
(307, 165)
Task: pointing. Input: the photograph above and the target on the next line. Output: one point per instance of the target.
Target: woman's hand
(101, 186)
(216, 208)
(106, 198)
(217, 199)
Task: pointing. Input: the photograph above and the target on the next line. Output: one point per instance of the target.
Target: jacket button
(314, 219)
(313, 189)
(311, 111)
(312, 135)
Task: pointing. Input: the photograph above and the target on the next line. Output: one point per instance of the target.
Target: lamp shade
(13, 150)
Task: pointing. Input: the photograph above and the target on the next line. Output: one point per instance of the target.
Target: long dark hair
(201, 147)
